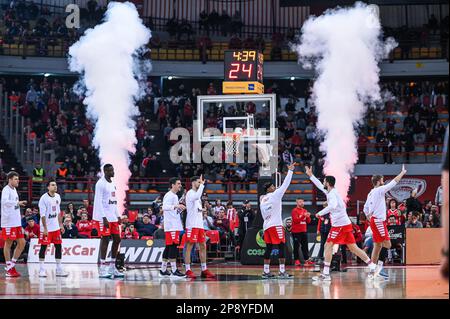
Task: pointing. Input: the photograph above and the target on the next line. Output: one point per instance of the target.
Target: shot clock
(243, 72)
(244, 65)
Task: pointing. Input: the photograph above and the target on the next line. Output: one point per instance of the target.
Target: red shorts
(195, 235)
(379, 230)
(12, 233)
(53, 237)
(172, 238)
(342, 235)
(274, 235)
(112, 229)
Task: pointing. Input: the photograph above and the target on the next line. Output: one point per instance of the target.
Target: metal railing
(429, 154)
(32, 190)
(170, 51)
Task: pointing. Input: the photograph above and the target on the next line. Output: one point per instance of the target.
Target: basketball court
(241, 138)
(233, 282)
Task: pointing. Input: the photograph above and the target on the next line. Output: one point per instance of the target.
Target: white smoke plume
(344, 46)
(107, 57)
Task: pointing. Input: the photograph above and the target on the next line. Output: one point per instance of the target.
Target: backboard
(253, 116)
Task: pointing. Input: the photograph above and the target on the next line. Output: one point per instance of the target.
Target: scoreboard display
(244, 65)
(243, 71)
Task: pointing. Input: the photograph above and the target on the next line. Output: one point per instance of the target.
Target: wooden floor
(233, 282)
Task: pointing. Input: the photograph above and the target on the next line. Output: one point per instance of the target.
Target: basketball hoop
(232, 141)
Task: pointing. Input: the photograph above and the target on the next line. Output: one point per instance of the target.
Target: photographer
(246, 216)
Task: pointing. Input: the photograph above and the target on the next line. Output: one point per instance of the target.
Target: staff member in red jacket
(300, 219)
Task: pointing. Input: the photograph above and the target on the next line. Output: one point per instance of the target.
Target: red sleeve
(318, 225)
(295, 216)
(308, 218)
(135, 235)
(236, 220)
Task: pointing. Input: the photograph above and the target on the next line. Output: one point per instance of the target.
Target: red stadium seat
(132, 215)
(146, 237)
(214, 237)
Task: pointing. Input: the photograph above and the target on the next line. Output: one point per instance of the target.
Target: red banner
(426, 187)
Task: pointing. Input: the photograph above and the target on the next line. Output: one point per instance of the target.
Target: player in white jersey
(341, 232)
(376, 210)
(271, 211)
(51, 228)
(195, 232)
(12, 223)
(106, 221)
(172, 227)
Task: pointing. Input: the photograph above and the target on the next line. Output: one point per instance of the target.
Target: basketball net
(232, 142)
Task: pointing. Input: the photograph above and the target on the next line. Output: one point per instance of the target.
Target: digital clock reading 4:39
(244, 65)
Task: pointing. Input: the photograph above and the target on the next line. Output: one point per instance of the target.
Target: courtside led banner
(73, 251)
(87, 251)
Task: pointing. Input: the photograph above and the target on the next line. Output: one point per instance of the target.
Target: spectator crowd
(54, 118)
(42, 25)
(410, 212)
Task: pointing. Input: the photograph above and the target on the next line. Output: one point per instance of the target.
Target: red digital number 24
(236, 67)
(248, 71)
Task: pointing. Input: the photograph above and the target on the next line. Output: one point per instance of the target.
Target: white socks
(188, 267)
(371, 265)
(282, 268)
(112, 264)
(266, 268)
(203, 266)
(103, 265)
(164, 266)
(173, 265)
(326, 269)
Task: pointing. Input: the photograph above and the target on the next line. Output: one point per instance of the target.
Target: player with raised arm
(172, 227)
(341, 232)
(376, 210)
(106, 220)
(12, 223)
(51, 227)
(271, 211)
(195, 232)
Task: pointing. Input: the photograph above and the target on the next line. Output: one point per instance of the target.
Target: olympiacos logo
(403, 189)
